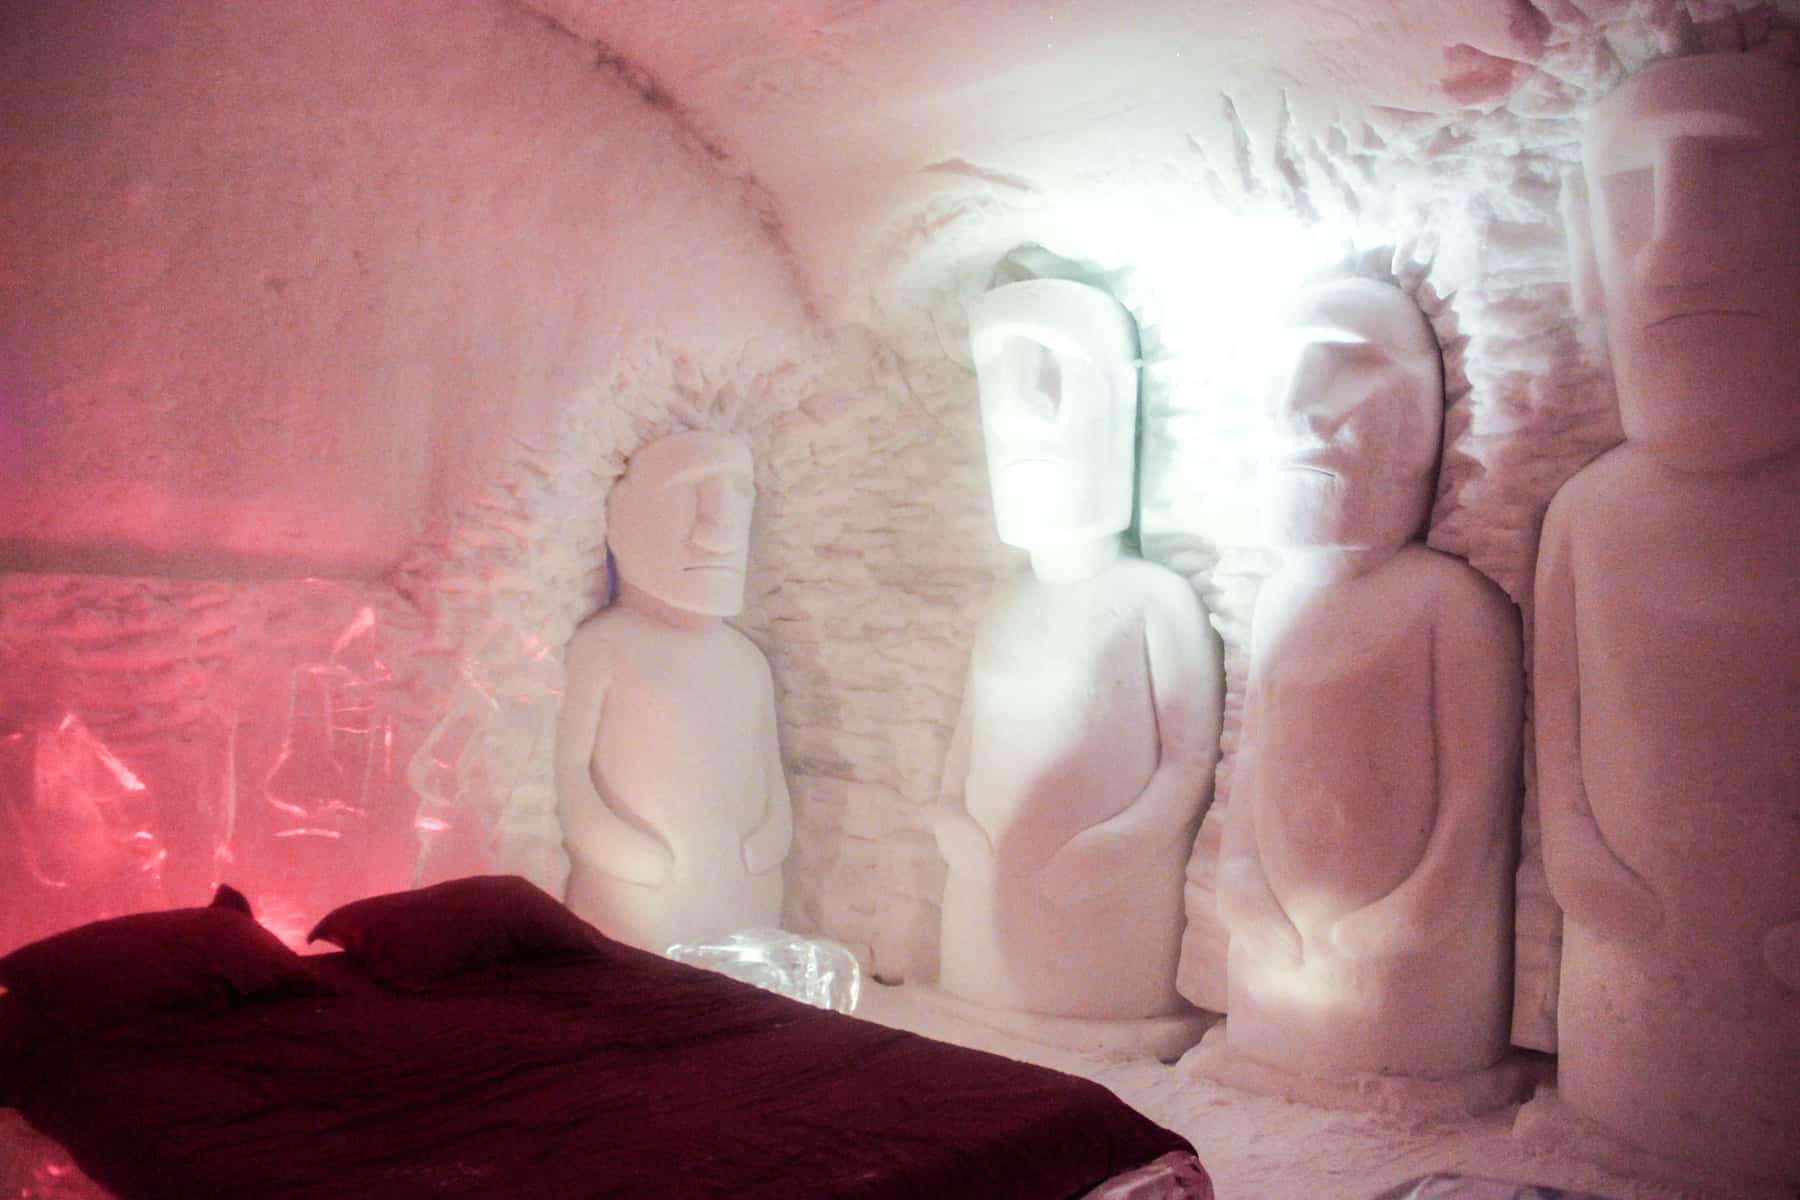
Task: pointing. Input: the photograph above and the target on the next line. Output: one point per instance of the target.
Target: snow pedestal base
(1163, 1038)
(1548, 1127)
(1452, 1099)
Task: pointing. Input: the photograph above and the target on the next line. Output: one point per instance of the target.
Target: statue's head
(678, 521)
(1057, 365)
(1685, 228)
(1356, 420)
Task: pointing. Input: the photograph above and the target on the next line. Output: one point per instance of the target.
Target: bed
(477, 1040)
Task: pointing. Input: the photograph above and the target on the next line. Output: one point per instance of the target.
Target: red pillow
(112, 971)
(418, 938)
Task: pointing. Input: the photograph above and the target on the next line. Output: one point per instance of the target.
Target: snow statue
(669, 785)
(1082, 760)
(1667, 657)
(1365, 875)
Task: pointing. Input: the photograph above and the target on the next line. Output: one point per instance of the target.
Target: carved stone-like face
(1355, 423)
(1693, 182)
(1056, 361)
(678, 521)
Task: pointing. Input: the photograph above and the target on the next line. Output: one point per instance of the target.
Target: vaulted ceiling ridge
(691, 133)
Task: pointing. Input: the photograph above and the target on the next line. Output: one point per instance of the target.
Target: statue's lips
(713, 568)
(1307, 468)
(1694, 313)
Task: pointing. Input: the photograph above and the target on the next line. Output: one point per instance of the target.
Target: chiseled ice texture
(874, 550)
(1667, 660)
(1366, 872)
(1081, 760)
(255, 333)
(491, 730)
(670, 790)
(813, 971)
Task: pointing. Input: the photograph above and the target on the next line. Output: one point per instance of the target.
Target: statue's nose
(1692, 243)
(715, 522)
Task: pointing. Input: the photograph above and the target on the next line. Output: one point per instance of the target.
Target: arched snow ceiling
(851, 114)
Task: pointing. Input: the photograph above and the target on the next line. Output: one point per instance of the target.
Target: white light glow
(1207, 284)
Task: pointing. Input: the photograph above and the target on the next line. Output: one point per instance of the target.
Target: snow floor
(1260, 1148)
(1256, 1147)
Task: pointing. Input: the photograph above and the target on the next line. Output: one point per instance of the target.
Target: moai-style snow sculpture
(669, 784)
(1082, 761)
(1365, 875)
(1667, 648)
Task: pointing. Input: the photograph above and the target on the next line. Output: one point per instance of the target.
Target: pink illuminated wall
(277, 285)
(160, 736)
(319, 324)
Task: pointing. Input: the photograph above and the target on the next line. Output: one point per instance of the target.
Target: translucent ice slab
(811, 970)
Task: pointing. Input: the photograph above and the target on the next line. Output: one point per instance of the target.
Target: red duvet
(619, 1074)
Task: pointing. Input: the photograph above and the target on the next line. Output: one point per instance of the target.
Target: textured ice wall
(875, 557)
(330, 288)
(1205, 227)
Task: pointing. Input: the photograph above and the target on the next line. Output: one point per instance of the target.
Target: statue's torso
(1344, 783)
(682, 743)
(1063, 735)
(1062, 723)
(1687, 615)
(1347, 780)
(1687, 631)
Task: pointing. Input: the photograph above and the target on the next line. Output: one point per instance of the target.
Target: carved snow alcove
(326, 329)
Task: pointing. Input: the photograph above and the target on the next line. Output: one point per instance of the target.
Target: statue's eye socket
(1043, 393)
(1628, 199)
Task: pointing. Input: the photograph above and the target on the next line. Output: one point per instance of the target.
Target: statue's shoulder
(603, 626)
(1458, 594)
(594, 641)
(1606, 482)
(1156, 583)
(1606, 503)
(618, 630)
(739, 641)
(1444, 571)
(744, 650)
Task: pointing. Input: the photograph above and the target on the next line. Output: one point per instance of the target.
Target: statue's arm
(1248, 906)
(961, 839)
(1477, 709)
(1182, 654)
(766, 846)
(594, 834)
(1589, 882)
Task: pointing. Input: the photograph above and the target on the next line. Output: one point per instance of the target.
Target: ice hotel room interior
(1035, 599)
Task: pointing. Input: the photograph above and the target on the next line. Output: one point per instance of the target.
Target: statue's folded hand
(640, 858)
(961, 840)
(1253, 915)
(1089, 864)
(1781, 952)
(1365, 933)
(765, 848)
(1607, 898)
